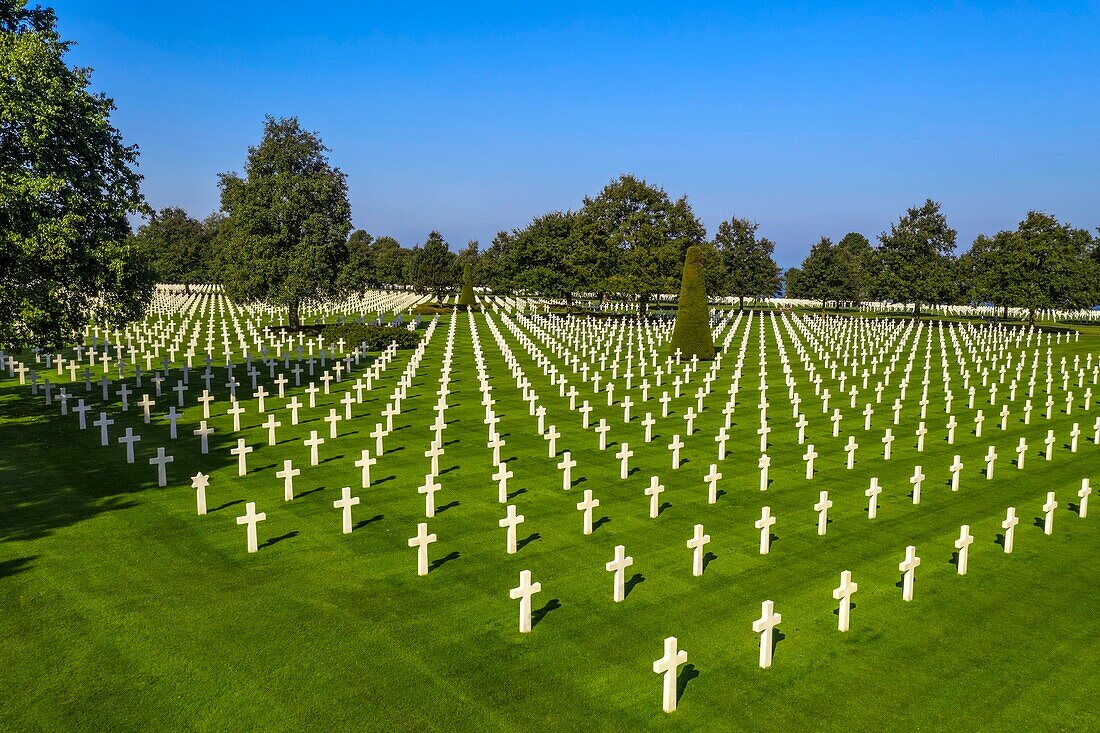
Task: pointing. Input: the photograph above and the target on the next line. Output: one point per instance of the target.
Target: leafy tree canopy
(285, 235)
(431, 268)
(747, 264)
(914, 258)
(67, 187)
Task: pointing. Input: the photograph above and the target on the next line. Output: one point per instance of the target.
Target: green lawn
(120, 609)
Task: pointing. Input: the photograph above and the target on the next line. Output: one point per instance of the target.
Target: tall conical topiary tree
(691, 334)
(466, 298)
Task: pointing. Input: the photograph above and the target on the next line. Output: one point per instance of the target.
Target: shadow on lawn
(62, 475)
(687, 673)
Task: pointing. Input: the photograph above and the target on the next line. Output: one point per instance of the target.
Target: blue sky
(810, 118)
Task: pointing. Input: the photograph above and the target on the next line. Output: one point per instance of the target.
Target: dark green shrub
(691, 333)
(376, 338)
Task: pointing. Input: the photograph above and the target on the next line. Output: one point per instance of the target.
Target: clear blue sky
(811, 118)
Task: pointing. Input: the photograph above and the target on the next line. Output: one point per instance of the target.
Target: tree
(914, 259)
(494, 264)
(822, 274)
(431, 267)
(466, 297)
(691, 333)
(1043, 264)
(542, 256)
(749, 268)
(791, 283)
(389, 261)
(178, 247)
(359, 272)
(67, 187)
(632, 238)
(284, 238)
(857, 266)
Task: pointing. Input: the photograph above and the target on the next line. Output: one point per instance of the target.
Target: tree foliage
(431, 267)
(747, 267)
(691, 333)
(915, 258)
(67, 185)
(180, 249)
(284, 238)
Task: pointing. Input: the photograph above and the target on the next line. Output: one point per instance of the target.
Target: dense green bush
(376, 338)
(691, 333)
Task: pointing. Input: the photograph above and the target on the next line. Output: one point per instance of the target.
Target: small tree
(915, 257)
(431, 267)
(284, 238)
(359, 272)
(1046, 265)
(691, 333)
(466, 297)
(750, 270)
(179, 247)
(389, 259)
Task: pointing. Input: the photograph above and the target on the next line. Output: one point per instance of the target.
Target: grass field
(120, 609)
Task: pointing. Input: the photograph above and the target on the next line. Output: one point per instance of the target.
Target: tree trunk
(643, 304)
(742, 302)
(569, 302)
(295, 323)
(187, 288)
(1031, 316)
(916, 310)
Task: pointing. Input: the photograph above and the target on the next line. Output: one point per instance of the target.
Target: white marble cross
(501, 477)
(624, 455)
(916, 479)
(421, 542)
(523, 592)
(822, 507)
(764, 626)
(510, 522)
(764, 524)
(365, 462)
(566, 467)
(1009, 526)
(587, 506)
(843, 593)
(251, 518)
(160, 461)
(963, 546)
(312, 442)
(287, 475)
(872, 497)
(908, 566)
(809, 457)
(1083, 494)
(712, 478)
(675, 447)
(654, 494)
(667, 666)
(241, 452)
(1048, 507)
(956, 468)
(428, 489)
(345, 503)
(618, 566)
(697, 542)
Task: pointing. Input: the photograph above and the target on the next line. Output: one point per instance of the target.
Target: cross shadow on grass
(280, 538)
(708, 559)
(632, 582)
(441, 561)
(528, 540)
(538, 615)
(364, 522)
(687, 673)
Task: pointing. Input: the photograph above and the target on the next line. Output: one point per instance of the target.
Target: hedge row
(375, 338)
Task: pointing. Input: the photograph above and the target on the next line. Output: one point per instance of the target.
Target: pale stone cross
(654, 493)
(523, 592)
(271, 423)
(1048, 507)
(587, 506)
(566, 467)
(990, 460)
(888, 442)
(697, 542)
(551, 437)
(764, 524)
(1049, 440)
(603, 429)
(763, 464)
(908, 566)
(963, 546)
(433, 453)
(675, 447)
(1083, 494)
(624, 455)
(241, 452)
(103, 423)
(712, 478)
(236, 411)
(822, 507)
(921, 432)
(721, 439)
(956, 468)
(690, 416)
(421, 542)
(1021, 452)
(1009, 526)
(872, 498)
(850, 448)
(287, 475)
(648, 424)
(129, 438)
(618, 566)
(501, 477)
(764, 626)
(916, 479)
(763, 431)
(160, 461)
(510, 522)
(312, 442)
(809, 457)
(843, 593)
(251, 518)
(345, 503)
(667, 666)
(428, 489)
